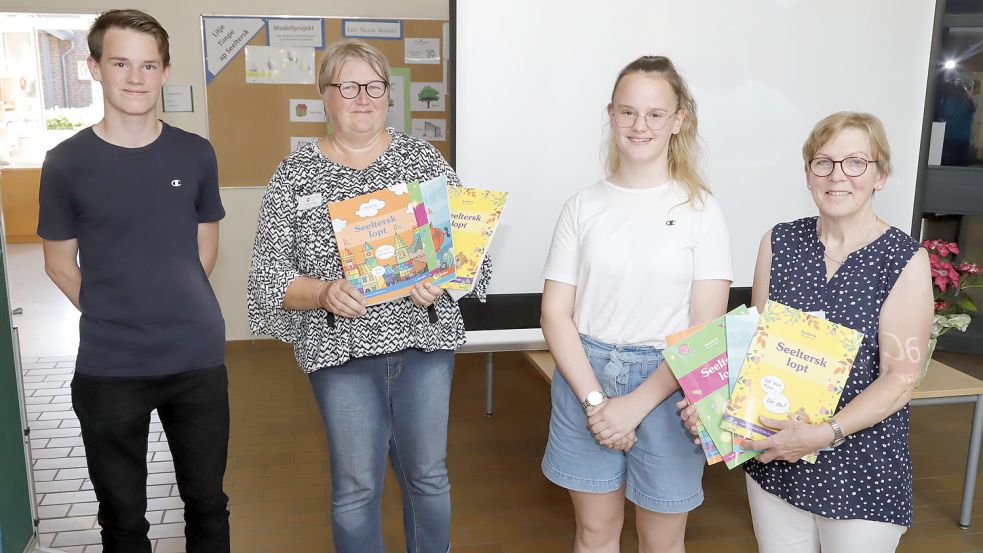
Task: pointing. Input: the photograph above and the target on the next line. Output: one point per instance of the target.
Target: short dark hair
(134, 20)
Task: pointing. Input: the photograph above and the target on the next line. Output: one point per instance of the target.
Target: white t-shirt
(633, 255)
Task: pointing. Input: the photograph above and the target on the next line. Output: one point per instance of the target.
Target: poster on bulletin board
(261, 94)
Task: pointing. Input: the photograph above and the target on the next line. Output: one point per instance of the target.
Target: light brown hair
(134, 20)
(831, 125)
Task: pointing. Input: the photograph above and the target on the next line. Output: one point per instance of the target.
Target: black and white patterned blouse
(869, 476)
(292, 242)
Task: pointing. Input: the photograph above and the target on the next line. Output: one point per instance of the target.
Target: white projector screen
(534, 79)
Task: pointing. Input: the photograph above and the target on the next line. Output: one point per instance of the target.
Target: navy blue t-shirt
(147, 306)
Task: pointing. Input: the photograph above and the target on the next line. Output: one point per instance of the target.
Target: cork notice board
(261, 92)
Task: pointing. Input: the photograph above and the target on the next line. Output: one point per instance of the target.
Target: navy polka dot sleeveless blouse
(869, 476)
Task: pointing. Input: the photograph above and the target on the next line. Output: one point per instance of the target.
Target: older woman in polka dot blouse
(869, 276)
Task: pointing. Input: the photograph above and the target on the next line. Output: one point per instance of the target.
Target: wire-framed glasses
(655, 120)
(350, 89)
(851, 166)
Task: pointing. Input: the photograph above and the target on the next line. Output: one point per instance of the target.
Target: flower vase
(928, 358)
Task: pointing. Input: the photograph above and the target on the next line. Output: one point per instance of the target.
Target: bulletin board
(261, 84)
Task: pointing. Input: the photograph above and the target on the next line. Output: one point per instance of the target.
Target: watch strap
(586, 403)
(838, 437)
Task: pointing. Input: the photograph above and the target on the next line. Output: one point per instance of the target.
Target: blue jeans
(662, 473)
(395, 405)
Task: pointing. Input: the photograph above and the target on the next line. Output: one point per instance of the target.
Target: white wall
(182, 19)
(762, 72)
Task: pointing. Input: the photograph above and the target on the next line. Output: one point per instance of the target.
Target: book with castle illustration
(699, 362)
(795, 369)
(383, 242)
(432, 194)
(475, 214)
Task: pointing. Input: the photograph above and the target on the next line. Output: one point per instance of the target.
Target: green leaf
(965, 302)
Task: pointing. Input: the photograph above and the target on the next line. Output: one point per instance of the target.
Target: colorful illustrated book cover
(740, 329)
(795, 368)
(740, 332)
(709, 449)
(433, 195)
(699, 362)
(475, 214)
(381, 237)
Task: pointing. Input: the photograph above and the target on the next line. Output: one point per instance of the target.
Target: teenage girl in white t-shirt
(635, 257)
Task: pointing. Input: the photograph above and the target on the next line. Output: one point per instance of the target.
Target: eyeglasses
(851, 166)
(350, 89)
(655, 120)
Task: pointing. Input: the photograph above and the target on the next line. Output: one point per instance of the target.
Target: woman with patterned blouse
(871, 277)
(381, 374)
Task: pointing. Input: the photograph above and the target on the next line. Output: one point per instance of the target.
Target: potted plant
(949, 280)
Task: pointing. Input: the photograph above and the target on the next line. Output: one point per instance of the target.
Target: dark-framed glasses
(655, 120)
(350, 89)
(851, 166)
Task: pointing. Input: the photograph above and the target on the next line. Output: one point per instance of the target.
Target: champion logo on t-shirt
(176, 183)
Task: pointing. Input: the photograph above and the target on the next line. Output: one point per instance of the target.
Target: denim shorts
(662, 472)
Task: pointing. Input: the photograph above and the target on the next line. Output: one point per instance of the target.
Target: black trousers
(114, 413)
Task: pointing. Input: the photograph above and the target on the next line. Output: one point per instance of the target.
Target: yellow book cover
(795, 369)
(474, 218)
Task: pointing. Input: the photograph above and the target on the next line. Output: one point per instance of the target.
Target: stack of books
(781, 364)
(393, 238)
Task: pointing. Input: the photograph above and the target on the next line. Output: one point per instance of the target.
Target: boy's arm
(208, 245)
(61, 265)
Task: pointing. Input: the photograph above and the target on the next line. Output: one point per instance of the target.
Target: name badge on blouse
(309, 202)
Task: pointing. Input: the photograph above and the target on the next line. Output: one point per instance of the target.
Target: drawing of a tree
(428, 94)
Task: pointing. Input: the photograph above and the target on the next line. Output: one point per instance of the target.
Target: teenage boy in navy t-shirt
(129, 218)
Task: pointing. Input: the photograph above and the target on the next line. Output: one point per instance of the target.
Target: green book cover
(699, 362)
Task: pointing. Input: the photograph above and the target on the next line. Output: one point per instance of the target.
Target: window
(46, 91)
(958, 92)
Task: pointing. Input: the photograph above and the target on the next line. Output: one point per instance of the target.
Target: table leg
(972, 463)
(489, 383)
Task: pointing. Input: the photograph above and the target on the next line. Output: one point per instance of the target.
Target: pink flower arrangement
(949, 279)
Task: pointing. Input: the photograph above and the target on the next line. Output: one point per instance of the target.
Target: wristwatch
(593, 399)
(838, 437)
